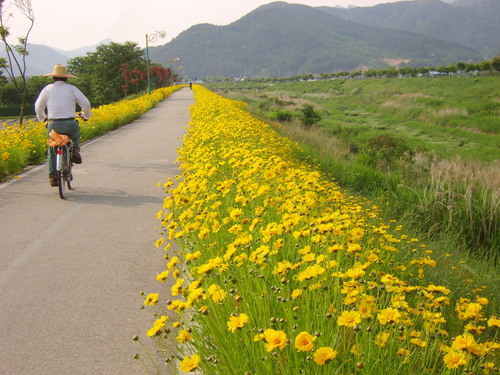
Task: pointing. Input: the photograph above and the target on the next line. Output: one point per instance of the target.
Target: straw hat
(59, 71)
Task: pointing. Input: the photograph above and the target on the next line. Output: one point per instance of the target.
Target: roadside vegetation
(280, 271)
(427, 149)
(24, 145)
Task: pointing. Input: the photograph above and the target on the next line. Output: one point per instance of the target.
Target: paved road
(71, 271)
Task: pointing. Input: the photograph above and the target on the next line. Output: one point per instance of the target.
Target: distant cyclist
(60, 99)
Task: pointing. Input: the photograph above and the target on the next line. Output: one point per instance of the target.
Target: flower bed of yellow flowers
(22, 145)
(280, 272)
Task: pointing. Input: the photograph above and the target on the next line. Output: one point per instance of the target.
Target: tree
(495, 63)
(160, 76)
(485, 66)
(101, 71)
(16, 54)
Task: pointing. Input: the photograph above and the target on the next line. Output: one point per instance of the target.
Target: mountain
(41, 59)
(281, 39)
(82, 51)
(472, 23)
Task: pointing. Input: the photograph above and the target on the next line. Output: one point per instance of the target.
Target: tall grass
(455, 197)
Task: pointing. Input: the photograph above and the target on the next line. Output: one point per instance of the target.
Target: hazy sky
(70, 24)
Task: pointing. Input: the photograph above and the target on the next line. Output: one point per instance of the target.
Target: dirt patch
(395, 62)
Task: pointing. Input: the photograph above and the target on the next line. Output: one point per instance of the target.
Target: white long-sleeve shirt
(60, 99)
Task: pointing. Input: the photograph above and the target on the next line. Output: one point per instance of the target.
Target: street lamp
(152, 38)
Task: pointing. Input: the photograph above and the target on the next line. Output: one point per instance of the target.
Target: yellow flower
(192, 256)
(216, 293)
(482, 300)
(259, 255)
(151, 299)
(195, 294)
(177, 287)
(184, 336)
(203, 233)
(158, 325)
(274, 339)
(472, 328)
(403, 352)
(237, 322)
(159, 242)
(418, 342)
(235, 213)
(464, 342)
(324, 354)
(304, 342)
(297, 293)
(189, 364)
(310, 272)
(366, 306)
(356, 234)
(381, 339)
(454, 359)
(162, 276)
(349, 318)
(388, 315)
(494, 322)
(282, 267)
(172, 263)
(469, 311)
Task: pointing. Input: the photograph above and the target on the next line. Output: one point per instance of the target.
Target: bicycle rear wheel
(68, 175)
(61, 168)
(69, 166)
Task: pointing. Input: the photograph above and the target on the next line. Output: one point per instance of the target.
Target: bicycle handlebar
(82, 116)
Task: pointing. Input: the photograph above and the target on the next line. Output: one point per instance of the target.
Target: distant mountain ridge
(472, 23)
(282, 39)
(82, 51)
(41, 59)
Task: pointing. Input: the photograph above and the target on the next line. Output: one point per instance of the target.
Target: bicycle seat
(56, 139)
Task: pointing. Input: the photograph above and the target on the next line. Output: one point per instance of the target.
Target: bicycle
(61, 147)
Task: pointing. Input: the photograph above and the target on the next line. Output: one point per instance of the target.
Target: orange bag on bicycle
(56, 139)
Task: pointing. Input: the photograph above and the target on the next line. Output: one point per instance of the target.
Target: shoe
(75, 156)
(53, 180)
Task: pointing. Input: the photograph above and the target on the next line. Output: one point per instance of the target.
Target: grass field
(427, 147)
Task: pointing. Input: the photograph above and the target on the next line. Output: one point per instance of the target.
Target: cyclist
(56, 104)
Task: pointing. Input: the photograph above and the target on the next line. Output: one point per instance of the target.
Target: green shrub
(309, 116)
(281, 115)
(384, 149)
